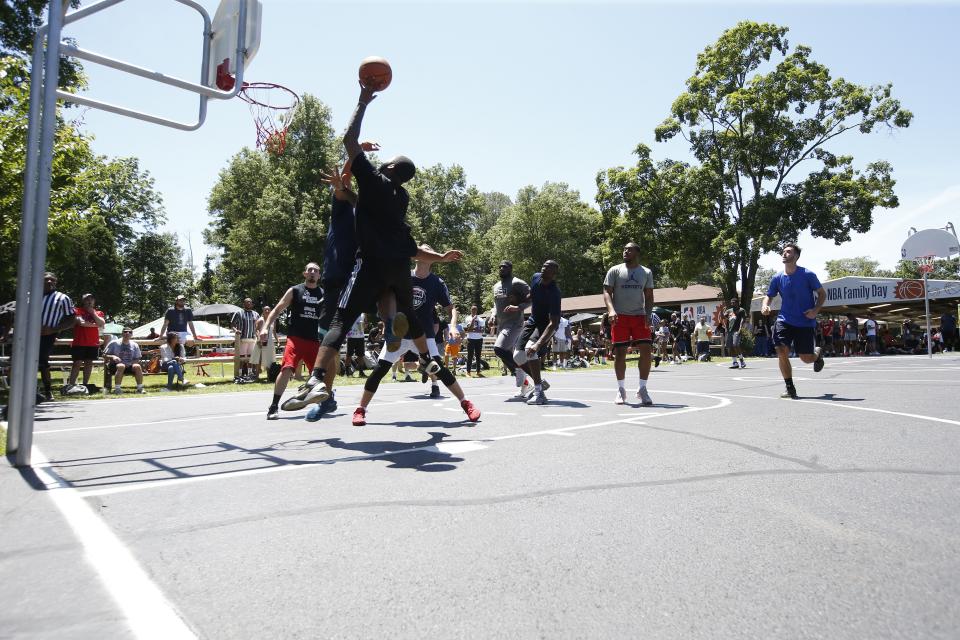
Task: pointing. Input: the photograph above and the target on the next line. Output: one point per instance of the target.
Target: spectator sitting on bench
(121, 355)
(172, 357)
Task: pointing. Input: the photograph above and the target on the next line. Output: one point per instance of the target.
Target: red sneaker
(359, 417)
(472, 412)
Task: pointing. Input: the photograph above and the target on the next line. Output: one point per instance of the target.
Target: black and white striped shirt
(56, 307)
(245, 321)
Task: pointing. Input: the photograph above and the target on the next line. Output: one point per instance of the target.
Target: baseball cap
(181, 297)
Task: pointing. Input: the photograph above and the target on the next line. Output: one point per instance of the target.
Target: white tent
(204, 329)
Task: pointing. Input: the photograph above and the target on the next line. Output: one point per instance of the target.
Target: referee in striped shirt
(244, 324)
(58, 314)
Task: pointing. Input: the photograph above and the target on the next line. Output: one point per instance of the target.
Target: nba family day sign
(853, 291)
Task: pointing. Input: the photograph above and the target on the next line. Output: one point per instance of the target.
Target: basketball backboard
(222, 65)
(930, 242)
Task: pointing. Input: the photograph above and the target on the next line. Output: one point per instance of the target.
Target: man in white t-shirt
(562, 337)
(870, 328)
(474, 326)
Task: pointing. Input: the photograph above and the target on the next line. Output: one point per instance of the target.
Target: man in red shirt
(86, 343)
(826, 329)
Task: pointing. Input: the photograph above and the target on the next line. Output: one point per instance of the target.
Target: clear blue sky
(523, 93)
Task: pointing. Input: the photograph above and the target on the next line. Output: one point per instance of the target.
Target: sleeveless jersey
(305, 311)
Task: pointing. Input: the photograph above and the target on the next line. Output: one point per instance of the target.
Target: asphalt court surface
(722, 511)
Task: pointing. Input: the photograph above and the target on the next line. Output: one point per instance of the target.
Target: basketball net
(924, 263)
(271, 106)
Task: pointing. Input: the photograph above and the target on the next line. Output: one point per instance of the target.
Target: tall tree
(19, 21)
(859, 266)
(549, 223)
(760, 129)
(270, 213)
(154, 273)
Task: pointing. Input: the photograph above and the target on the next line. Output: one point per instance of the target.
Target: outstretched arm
(426, 255)
(351, 139)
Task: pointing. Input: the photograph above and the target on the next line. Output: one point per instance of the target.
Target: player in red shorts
(628, 294)
(305, 302)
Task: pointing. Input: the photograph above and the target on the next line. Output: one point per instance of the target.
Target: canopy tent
(112, 328)
(581, 317)
(218, 309)
(204, 329)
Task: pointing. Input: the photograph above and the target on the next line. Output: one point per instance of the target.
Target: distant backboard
(223, 44)
(930, 242)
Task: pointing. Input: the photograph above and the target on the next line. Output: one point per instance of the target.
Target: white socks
(620, 384)
(643, 384)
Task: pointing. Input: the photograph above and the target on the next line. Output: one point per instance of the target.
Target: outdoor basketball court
(721, 511)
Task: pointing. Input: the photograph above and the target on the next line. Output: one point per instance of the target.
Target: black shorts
(532, 332)
(46, 347)
(787, 335)
(410, 356)
(79, 354)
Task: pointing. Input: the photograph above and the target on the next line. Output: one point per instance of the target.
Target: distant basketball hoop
(924, 263)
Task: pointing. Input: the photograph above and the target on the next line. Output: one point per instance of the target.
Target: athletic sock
(643, 383)
(276, 399)
(620, 383)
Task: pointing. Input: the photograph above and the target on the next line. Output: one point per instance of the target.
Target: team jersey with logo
(626, 288)
(427, 294)
(305, 311)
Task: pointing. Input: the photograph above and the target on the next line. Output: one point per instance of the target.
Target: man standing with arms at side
(244, 325)
(628, 294)
(540, 326)
(178, 318)
(734, 320)
(797, 319)
(510, 297)
(57, 314)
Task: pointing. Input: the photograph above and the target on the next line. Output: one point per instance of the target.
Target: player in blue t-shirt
(428, 291)
(539, 328)
(801, 298)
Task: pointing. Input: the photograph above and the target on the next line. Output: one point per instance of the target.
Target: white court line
(144, 424)
(636, 419)
(561, 415)
(147, 610)
(843, 405)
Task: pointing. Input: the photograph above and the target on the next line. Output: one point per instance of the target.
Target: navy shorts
(788, 335)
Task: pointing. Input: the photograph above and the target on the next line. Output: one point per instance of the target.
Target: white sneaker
(526, 388)
(520, 376)
(621, 396)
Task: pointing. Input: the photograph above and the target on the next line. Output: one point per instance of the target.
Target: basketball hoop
(271, 106)
(924, 263)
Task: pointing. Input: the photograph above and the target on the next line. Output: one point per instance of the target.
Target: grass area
(220, 380)
(3, 439)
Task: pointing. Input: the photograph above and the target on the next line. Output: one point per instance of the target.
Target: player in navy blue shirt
(801, 298)
(429, 290)
(539, 328)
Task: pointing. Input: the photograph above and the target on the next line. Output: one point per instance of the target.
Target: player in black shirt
(385, 249)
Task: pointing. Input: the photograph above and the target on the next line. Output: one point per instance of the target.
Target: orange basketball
(375, 73)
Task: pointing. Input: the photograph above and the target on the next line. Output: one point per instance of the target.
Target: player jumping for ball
(797, 319)
(385, 247)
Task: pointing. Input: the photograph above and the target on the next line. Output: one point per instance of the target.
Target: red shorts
(630, 329)
(298, 349)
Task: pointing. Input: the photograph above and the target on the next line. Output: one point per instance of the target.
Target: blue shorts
(788, 335)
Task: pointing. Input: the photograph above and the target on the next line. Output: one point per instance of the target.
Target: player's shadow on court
(573, 404)
(832, 397)
(419, 456)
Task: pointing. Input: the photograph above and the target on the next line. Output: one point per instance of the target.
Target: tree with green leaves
(549, 223)
(270, 212)
(19, 21)
(154, 275)
(761, 120)
(858, 266)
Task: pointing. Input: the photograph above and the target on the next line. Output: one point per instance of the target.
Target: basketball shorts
(733, 340)
(407, 349)
(299, 350)
(263, 355)
(244, 347)
(563, 346)
(527, 339)
(82, 353)
(788, 335)
(452, 350)
(850, 336)
(331, 298)
(507, 336)
(629, 329)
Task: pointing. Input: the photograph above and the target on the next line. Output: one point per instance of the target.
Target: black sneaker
(434, 391)
(818, 363)
(791, 393)
(273, 413)
(656, 361)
